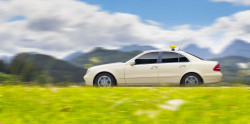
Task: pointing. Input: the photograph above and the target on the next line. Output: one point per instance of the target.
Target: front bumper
(88, 80)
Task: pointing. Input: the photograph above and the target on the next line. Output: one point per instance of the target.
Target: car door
(172, 67)
(145, 70)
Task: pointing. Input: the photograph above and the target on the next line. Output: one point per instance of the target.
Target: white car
(156, 67)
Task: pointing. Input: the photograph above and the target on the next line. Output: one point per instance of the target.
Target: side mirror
(132, 63)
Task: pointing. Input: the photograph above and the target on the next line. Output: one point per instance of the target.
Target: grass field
(83, 105)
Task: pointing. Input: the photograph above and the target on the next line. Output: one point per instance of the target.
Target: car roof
(162, 51)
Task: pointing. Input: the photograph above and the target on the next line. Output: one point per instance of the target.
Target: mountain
(73, 55)
(137, 47)
(203, 53)
(33, 66)
(231, 69)
(33, 53)
(237, 48)
(103, 56)
(6, 59)
(232, 61)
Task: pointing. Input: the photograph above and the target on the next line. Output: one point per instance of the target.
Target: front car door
(172, 67)
(145, 70)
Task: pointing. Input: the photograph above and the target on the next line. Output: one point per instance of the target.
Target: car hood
(117, 64)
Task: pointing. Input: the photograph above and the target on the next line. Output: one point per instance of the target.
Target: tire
(191, 79)
(105, 80)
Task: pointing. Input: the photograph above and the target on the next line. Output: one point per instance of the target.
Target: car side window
(183, 58)
(148, 58)
(171, 57)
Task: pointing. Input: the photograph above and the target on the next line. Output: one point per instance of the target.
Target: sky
(172, 12)
(60, 27)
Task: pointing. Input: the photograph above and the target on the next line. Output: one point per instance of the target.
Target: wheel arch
(192, 73)
(103, 73)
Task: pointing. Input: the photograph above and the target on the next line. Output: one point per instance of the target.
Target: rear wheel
(191, 79)
(104, 80)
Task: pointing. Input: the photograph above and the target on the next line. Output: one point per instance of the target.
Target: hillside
(36, 65)
(104, 56)
(232, 61)
(231, 69)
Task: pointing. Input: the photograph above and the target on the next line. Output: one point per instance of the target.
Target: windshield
(138, 54)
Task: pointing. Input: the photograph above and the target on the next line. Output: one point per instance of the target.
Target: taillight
(217, 67)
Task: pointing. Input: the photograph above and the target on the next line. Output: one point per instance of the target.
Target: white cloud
(60, 27)
(241, 2)
(153, 22)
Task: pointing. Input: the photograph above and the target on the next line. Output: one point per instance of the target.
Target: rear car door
(172, 67)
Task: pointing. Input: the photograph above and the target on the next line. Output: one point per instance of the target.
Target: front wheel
(104, 80)
(191, 80)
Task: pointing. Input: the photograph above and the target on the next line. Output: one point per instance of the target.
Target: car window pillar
(159, 57)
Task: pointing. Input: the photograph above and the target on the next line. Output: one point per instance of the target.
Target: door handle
(182, 66)
(154, 67)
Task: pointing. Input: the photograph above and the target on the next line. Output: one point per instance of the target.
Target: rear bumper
(212, 78)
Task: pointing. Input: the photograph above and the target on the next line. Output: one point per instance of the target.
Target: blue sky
(16, 18)
(172, 12)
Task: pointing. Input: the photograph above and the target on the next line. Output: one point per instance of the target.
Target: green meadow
(124, 105)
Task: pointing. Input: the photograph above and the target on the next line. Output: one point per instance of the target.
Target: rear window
(194, 56)
(171, 57)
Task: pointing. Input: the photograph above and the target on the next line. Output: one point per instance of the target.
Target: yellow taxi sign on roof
(172, 46)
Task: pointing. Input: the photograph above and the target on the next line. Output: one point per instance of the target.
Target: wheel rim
(104, 81)
(191, 80)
